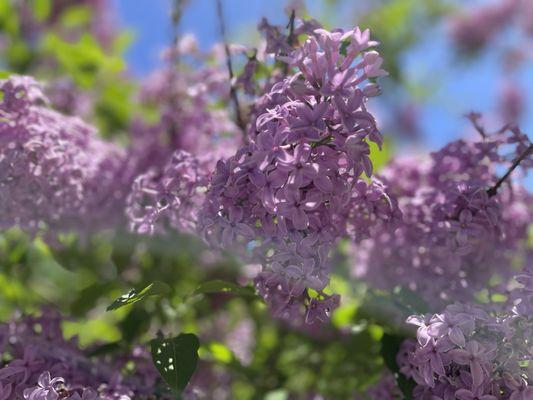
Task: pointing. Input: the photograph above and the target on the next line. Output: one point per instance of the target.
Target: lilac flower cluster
(471, 352)
(168, 200)
(475, 28)
(284, 198)
(175, 156)
(45, 366)
(185, 95)
(456, 232)
(56, 173)
(59, 176)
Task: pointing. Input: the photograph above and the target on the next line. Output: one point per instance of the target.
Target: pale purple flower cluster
(477, 27)
(45, 366)
(454, 233)
(473, 29)
(55, 172)
(169, 199)
(468, 353)
(189, 118)
(522, 297)
(285, 197)
(175, 155)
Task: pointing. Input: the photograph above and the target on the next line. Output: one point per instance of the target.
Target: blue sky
(455, 87)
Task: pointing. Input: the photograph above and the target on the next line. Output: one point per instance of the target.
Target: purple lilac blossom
(453, 233)
(56, 173)
(473, 352)
(45, 366)
(285, 197)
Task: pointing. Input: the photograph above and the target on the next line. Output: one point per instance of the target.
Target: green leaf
(279, 394)
(390, 346)
(176, 359)
(89, 296)
(220, 352)
(135, 324)
(218, 286)
(380, 157)
(41, 9)
(409, 301)
(133, 296)
(76, 16)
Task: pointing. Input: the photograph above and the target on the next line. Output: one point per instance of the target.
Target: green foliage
(218, 286)
(390, 346)
(398, 24)
(84, 60)
(391, 309)
(133, 296)
(176, 359)
(41, 9)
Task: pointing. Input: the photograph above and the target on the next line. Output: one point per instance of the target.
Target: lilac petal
(460, 356)
(323, 183)
(302, 153)
(299, 219)
(464, 394)
(367, 166)
(457, 337)
(312, 201)
(437, 364)
(227, 237)
(277, 178)
(436, 329)
(244, 230)
(257, 178)
(477, 373)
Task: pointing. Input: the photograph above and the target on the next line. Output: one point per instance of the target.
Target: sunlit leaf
(133, 296)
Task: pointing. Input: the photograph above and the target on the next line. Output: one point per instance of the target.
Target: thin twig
(173, 61)
(233, 91)
(474, 118)
(493, 190)
(290, 38)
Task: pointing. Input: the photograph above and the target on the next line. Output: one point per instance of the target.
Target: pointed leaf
(176, 359)
(154, 289)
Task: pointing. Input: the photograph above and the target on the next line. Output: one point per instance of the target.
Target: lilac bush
(262, 165)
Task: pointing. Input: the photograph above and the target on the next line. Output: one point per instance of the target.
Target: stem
(290, 38)
(493, 190)
(173, 63)
(474, 117)
(233, 91)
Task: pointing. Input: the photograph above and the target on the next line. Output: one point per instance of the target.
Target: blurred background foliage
(87, 274)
